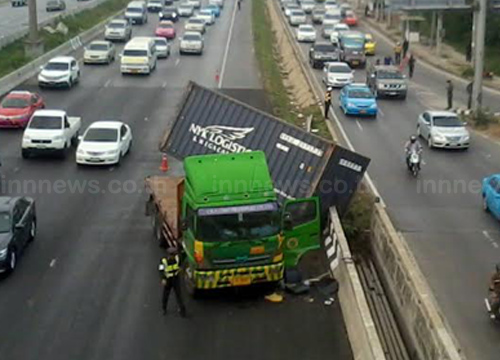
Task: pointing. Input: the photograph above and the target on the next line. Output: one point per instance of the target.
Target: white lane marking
(106, 84)
(53, 263)
(146, 119)
(490, 239)
(164, 85)
(226, 52)
(177, 62)
(381, 112)
(359, 125)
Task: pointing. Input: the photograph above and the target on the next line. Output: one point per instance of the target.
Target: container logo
(221, 139)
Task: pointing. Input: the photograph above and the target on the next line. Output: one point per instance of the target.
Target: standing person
(169, 271)
(406, 46)
(468, 53)
(239, 4)
(387, 60)
(397, 53)
(449, 94)
(328, 101)
(411, 65)
(377, 62)
(469, 93)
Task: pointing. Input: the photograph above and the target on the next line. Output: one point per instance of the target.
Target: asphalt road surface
(15, 19)
(88, 287)
(455, 242)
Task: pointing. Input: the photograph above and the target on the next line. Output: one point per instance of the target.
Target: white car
(297, 17)
(99, 52)
(331, 19)
(162, 47)
(331, 4)
(191, 42)
(337, 74)
(104, 143)
(443, 129)
(155, 5)
(335, 37)
(306, 33)
(59, 71)
(195, 24)
(206, 15)
(341, 27)
(289, 7)
(307, 6)
(118, 29)
(185, 10)
(195, 3)
(219, 3)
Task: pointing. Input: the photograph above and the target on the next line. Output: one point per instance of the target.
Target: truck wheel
(12, 261)
(188, 283)
(33, 230)
(25, 153)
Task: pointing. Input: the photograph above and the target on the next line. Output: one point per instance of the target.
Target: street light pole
(34, 45)
(480, 7)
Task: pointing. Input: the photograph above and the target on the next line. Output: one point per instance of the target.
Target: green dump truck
(226, 216)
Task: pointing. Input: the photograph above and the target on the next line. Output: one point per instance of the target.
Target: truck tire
(188, 283)
(25, 153)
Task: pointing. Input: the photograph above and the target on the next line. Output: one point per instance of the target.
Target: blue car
(213, 8)
(491, 195)
(357, 99)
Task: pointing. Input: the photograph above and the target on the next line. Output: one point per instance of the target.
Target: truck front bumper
(215, 279)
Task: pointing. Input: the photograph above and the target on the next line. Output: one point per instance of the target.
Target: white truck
(50, 131)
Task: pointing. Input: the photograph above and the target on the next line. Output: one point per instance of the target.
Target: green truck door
(301, 228)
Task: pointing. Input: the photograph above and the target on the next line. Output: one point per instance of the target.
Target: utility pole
(439, 32)
(481, 7)
(33, 47)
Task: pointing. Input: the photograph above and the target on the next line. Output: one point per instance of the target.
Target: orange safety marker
(164, 163)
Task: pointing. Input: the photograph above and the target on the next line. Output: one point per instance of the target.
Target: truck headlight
(58, 138)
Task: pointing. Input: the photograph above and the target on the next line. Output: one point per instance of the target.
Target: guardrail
(426, 331)
(6, 40)
(14, 79)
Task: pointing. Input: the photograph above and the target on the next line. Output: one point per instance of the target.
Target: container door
(301, 228)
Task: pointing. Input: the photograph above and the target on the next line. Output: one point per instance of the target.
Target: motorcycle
(488, 301)
(414, 163)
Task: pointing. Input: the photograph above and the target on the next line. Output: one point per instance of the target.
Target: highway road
(15, 19)
(88, 287)
(456, 244)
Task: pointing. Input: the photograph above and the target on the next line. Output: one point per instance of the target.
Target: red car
(166, 30)
(17, 107)
(350, 19)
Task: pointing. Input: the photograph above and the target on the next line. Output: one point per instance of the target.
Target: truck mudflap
(238, 276)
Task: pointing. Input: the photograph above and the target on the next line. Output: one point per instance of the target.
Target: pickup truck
(50, 131)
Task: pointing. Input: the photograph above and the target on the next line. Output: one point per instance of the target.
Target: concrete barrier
(426, 331)
(14, 79)
(363, 336)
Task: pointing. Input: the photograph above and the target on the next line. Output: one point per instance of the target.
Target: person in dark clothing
(468, 53)
(328, 101)
(367, 10)
(449, 94)
(387, 60)
(411, 65)
(169, 270)
(239, 4)
(377, 62)
(469, 93)
(406, 46)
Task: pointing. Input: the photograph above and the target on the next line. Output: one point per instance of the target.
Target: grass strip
(12, 56)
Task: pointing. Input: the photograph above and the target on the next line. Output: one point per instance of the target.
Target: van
(139, 56)
(137, 12)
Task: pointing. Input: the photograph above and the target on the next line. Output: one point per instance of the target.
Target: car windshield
(4, 222)
(185, 7)
(389, 75)
(160, 42)
(292, 6)
(325, 48)
(129, 52)
(307, 29)
(297, 13)
(360, 94)
(46, 122)
(15, 103)
(134, 10)
(57, 66)
(341, 27)
(319, 12)
(116, 25)
(332, 17)
(339, 69)
(236, 224)
(165, 26)
(98, 47)
(206, 12)
(447, 121)
(101, 135)
(191, 37)
(353, 44)
(196, 21)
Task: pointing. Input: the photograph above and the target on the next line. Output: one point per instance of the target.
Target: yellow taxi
(370, 44)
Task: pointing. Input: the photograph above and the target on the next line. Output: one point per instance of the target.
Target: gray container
(301, 164)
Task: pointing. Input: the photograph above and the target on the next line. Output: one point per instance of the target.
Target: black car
(17, 229)
(169, 14)
(321, 53)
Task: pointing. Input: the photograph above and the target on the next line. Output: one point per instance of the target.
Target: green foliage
(483, 118)
(468, 72)
(357, 220)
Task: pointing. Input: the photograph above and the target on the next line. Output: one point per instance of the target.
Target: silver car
(443, 129)
(162, 47)
(55, 5)
(191, 43)
(297, 17)
(99, 52)
(307, 6)
(195, 24)
(318, 15)
(119, 30)
(185, 9)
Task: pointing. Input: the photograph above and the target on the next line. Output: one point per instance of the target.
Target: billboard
(427, 4)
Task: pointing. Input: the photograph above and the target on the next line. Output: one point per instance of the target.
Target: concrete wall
(365, 342)
(426, 330)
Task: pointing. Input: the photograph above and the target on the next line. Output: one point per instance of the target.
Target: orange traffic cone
(164, 163)
(217, 76)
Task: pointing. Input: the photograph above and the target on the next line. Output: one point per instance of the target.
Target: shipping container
(301, 164)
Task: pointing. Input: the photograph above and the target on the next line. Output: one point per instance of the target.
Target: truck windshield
(46, 122)
(4, 222)
(238, 223)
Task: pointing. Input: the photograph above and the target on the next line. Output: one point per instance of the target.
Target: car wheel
(119, 161)
(188, 282)
(129, 147)
(25, 153)
(12, 262)
(429, 142)
(33, 230)
(70, 83)
(485, 204)
(419, 133)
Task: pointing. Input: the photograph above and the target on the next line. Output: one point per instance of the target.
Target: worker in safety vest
(169, 271)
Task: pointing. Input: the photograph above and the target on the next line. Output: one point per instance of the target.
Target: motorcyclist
(495, 291)
(412, 145)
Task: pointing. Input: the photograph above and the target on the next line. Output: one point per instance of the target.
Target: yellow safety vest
(170, 270)
(328, 96)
